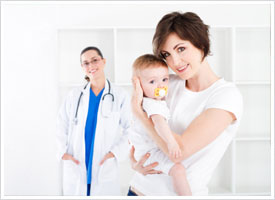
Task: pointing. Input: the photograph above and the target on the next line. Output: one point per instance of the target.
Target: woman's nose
(90, 67)
(176, 60)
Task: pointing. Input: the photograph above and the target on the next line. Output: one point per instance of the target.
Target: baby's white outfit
(142, 141)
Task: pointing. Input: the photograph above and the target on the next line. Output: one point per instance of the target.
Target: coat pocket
(71, 177)
(108, 171)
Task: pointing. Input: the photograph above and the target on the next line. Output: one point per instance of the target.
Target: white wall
(29, 74)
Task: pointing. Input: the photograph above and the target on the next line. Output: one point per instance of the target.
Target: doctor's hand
(69, 157)
(107, 156)
(137, 96)
(138, 165)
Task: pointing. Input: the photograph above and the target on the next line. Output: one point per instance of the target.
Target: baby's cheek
(149, 93)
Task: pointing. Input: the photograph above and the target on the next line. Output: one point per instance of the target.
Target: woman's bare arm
(204, 129)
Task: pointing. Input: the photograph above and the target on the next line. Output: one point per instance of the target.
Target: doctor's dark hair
(88, 49)
(146, 61)
(188, 26)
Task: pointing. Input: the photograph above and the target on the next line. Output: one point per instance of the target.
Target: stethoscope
(105, 109)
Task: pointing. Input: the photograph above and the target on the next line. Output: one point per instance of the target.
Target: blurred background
(40, 47)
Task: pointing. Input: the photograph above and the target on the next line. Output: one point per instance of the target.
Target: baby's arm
(163, 129)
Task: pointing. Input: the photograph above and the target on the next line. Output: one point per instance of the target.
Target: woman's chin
(185, 76)
(93, 76)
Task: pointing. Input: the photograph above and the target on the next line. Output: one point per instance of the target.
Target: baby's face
(152, 78)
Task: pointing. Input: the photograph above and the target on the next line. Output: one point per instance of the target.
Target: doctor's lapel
(84, 114)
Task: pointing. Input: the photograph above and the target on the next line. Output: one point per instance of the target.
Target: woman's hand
(69, 157)
(137, 96)
(138, 165)
(107, 156)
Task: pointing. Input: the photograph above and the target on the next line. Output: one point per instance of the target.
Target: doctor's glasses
(93, 62)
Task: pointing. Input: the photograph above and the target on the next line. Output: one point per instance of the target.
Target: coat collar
(106, 88)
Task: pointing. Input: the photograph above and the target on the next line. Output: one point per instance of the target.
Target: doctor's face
(93, 64)
(152, 78)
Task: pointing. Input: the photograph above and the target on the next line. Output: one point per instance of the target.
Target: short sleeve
(154, 107)
(227, 98)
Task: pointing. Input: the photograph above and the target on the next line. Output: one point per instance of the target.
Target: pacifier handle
(161, 92)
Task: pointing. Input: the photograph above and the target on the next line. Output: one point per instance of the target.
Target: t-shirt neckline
(205, 90)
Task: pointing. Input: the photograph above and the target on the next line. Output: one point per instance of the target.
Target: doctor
(90, 142)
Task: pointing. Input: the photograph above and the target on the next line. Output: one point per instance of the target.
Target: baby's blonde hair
(146, 61)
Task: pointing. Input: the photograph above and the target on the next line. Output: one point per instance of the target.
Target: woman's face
(92, 64)
(182, 56)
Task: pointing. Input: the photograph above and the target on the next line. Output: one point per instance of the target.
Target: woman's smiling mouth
(181, 69)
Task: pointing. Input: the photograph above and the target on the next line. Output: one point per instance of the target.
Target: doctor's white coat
(111, 135)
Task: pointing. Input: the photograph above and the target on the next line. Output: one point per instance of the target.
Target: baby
(154, 78)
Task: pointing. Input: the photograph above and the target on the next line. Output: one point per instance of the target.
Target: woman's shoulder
(225, 91)
(223, 86)
(226, 95)
(71, 95)
(75, 91)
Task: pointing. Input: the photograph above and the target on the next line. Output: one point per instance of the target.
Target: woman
(89, 140)
(205, 109)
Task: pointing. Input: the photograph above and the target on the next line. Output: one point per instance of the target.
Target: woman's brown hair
(188, 26)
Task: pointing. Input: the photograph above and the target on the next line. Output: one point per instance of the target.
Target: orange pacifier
(161, 92)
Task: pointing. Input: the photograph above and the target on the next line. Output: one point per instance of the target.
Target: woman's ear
(104, 60)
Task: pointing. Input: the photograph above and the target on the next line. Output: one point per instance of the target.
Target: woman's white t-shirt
(185, 106)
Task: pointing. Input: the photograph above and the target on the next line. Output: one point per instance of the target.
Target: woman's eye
(180, 49)
(152, 82)
(165, 54)
(165, 79)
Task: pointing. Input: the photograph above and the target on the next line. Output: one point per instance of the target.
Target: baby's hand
(174, 149)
